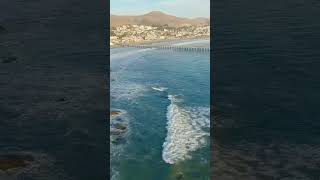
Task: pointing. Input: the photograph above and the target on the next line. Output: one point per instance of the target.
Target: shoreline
(160, 41)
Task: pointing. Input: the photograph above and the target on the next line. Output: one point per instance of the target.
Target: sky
(180, 8)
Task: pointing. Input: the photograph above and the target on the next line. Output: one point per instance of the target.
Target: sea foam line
(187, 131)
(192, 42)
(120, 55)
(126, 91)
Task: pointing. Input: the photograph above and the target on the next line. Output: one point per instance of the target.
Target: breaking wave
(161, 89)
(188, 130)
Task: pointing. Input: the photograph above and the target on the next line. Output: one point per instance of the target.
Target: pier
(173, 47)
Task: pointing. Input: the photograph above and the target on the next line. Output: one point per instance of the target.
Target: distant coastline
(158, 41)
(155, 27)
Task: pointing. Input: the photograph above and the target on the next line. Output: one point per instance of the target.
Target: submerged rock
(13, 161)
(116, 133)
(115, 141)
(78, 134)
(8, 59)
(62, 99)
(179, 176)
(114, 114)
(21, 165)
(120, 126)
(2, 29)
(118, 140)
(119, 119)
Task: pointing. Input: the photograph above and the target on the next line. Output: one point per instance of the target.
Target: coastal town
(138, 34)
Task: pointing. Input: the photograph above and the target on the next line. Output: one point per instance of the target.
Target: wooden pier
(172, 47)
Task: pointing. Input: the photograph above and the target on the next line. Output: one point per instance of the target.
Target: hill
(156, 18)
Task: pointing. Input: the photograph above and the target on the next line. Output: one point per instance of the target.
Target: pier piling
(172, 47)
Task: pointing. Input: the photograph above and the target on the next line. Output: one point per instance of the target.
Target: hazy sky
(180, 8)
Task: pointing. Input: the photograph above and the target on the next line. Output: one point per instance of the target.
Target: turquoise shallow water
(163, 97)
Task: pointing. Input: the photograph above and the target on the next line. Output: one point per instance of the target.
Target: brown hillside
(156, 18)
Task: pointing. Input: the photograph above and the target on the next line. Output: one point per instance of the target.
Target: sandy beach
(161, 41)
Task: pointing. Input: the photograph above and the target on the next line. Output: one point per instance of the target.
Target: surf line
(185, 132)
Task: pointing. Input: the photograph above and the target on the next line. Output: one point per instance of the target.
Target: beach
(166, 41)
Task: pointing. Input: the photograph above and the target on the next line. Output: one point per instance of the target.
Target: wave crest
(158, 88)
(188, 130)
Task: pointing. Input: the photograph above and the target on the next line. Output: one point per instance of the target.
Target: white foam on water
(116, 150)
(161, 89)
(188, 130)
(126, 91)
(134, 52)
(115, 175)
(123, 91)
(204, 41)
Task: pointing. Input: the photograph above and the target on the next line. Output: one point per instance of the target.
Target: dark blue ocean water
(53, 94)
(266, 89)
(164, 99)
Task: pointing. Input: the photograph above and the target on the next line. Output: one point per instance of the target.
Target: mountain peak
(156, 18)
(155, 13)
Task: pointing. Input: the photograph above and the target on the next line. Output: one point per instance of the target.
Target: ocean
(53, 89)
(160, 100)
(266, 89)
